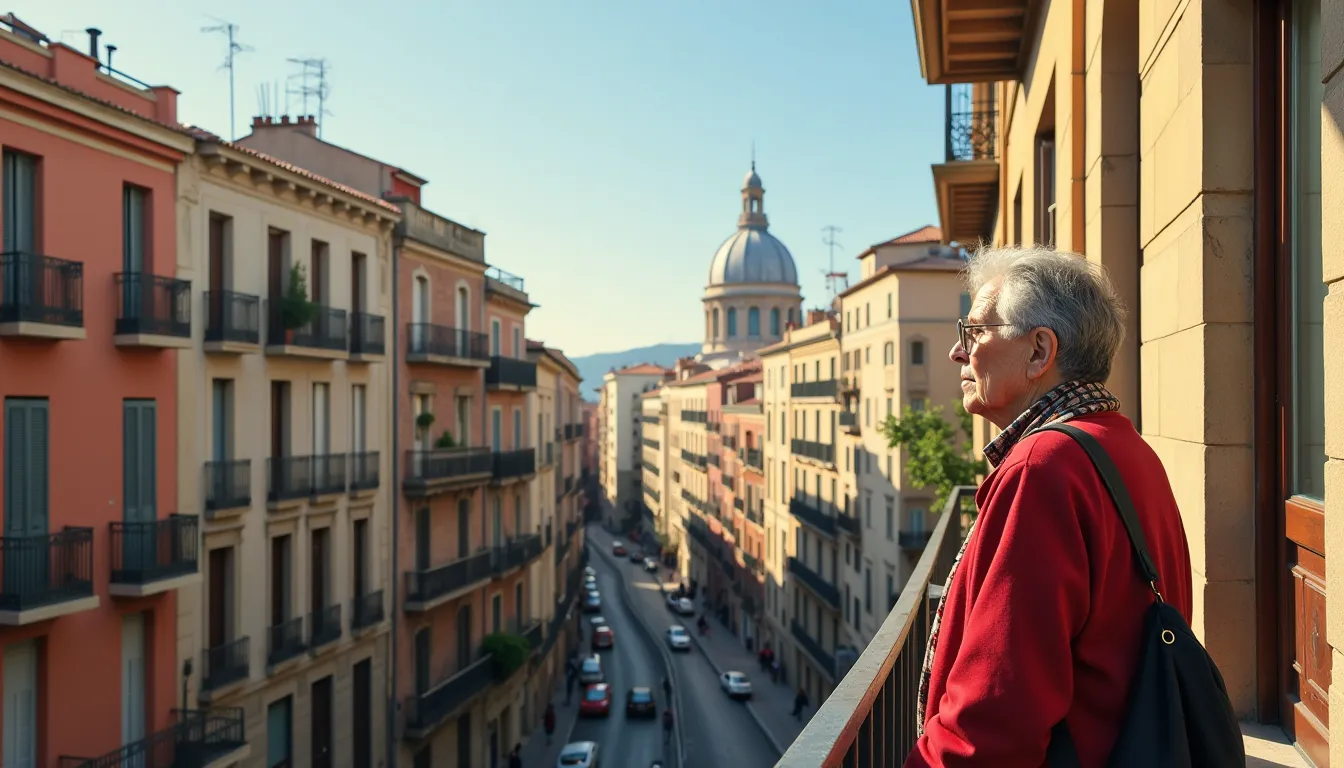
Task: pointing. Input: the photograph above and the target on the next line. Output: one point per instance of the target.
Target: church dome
(752, 254)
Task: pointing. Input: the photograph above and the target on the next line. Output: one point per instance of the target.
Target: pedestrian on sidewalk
(799, 703)
(667, 725)
(548, 721)
(667, 689)
(516, 756)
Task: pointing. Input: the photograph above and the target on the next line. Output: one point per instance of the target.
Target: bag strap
(1115, 487)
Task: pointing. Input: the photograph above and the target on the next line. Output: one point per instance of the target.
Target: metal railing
(426, 710)
(695, 417)
(286, 641)
(329, 329)
(152, 304)
(848, 419)
(45, 569)
(324, 626)
(329, 473)
(810, 449)
(972, 129)
(442, 464)
(366, 610)
(828, 592)
(431, 584)
(364, 470)
(649, 442)
(511, 464)
(426, 340)
(511, 372)
(226, 664)
(368, 334)
(195, 738)
(827, 388)
(812, 515)
(154, 550)
(231, 316)
(752, 457)
(228, 484)
(41, 289)
(869, 718)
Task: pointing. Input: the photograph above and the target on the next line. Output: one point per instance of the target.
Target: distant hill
(594, 367)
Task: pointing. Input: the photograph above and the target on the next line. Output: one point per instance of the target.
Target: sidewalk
(536, 753)
(771, 705)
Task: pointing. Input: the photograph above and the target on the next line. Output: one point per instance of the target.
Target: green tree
(935, 457)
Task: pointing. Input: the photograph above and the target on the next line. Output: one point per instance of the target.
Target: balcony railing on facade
(645, 418)
(518, 552)
(324, 626)
(444, 345)
(695, 417)
(849, 523)
(197, 738)
(41, 296)
(849, 420)
(46, 575)
(509, 466)
(869, 718)
(365, 469)
(152, 310)
(368, 336)
(712, 459)
(823, 658)
(816, 583)
(813, 515)
(327, 335)
(285, 641)
(972, 130)
(430, 471)
(154, 556)
(712, 425)
(914, 539)
(228, 485)
(434, 586)
(651, 443)
(809, 449)
(753, 458)
(366, 610)
(232, 321)
(697, 460)
(827, 388)
(226, 664)
(298, 477)
(573, 431)
(511, 373)
(652, 493)
(426, 710)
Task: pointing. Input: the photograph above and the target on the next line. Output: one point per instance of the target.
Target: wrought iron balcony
(232, 321)
(813, 516)
(818, 585)
(324, 626)
(914, 539)
(649, 442)
(286, 641)
(226, 664)
(511, 373)
(41, 296)
(366, 610)
(291, 477)
(653, 493)
(827, 388)
(695, 417)
(972, 131)
(197, 738)
(327, 335)
(45, 576)
(364, 470)
(430, 471)
(427, 589)
(441, 344)
(809, 449)
(520, 551)
(514, 465)
(368, 335)
(329, 474)
(822, 657)
(849, 420)
(849, 524)
(154, 556)
(869, 718)
(753, 459)
(228, 484)
(152, 310)
(427, 710)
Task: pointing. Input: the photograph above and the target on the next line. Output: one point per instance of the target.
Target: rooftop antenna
(231, 30)
(836, 282)
(312, 84)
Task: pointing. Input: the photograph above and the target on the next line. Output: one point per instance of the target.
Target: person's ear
(1042, 350)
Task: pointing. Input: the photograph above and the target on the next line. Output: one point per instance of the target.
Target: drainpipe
(396, 512)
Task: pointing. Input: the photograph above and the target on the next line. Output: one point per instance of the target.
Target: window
(280, 580)
(774, 321)
(21, 660)
(917, 352)
(496, 430)
(321, 420)
(357, 402)
(27, 476)
(359, 556)
(496, 613)
(518, 350)
(1045, 188)
(279, 734)
(495, 337)
(19, 201)
(891, 519)
(888, 353)
(134, 242)
(714, 330)
(753, 322)
(732, 322)
(888, 306)
(868, 588)
(517, 429)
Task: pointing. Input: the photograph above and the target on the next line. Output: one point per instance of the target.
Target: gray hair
(1044, 288)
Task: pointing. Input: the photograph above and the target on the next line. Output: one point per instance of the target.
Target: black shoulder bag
(1178, 714)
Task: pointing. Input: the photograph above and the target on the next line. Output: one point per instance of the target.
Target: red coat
(1044, 616)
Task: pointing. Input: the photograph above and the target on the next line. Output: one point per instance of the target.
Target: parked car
(597, 621)
(603, 637)
(736, 685)
(639, 703)
(596, 701)
(617, 549)
(590, 671)
(678, 639)
(589, 578)
(636, 556)
(579, 754)
(592, 602)
(681, 605)
(650, 565)
(590, 571)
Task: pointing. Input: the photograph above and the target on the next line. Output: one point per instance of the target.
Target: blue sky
(599, 144)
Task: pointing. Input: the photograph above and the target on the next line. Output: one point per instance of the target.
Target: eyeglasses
(963, 327)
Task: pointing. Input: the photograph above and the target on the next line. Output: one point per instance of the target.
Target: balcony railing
(971, 133)
(511, 372)
(324, 626)
(812, 515)
(849, 524)
(364, 467)
(695, 417)
(328, 330)
(232, 317)
(226, 664)
(42, 570)
(329, 474)
(152, 305)
(520, 551)
(509, 465)
(368, 334)
(914, 539)
(195, 739)
(445, 466)
(291, 477)
(848, 419)
(41, 289)
(649, 442)
(823, 658)
(429, 343)
(228, 484)
(814, 581)
(809, 449)
(425, 587)
(827, 388)
(425, 711)
(869, 718)
(154, 550)
(753, 458)
(366, 610)
(286, 641)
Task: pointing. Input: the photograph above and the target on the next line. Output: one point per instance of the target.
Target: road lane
(715, 730)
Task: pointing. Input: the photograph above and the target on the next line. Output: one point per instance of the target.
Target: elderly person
(1043, 615)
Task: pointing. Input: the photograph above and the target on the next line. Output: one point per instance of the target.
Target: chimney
(111, 49)
(816, 316)
(284, 119)
(94, 32)
(307, 125)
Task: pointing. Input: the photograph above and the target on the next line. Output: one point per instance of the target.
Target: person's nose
(957, 354)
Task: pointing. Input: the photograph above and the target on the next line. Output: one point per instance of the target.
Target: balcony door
(133, 684)
(419, 313)
(20, 705)
(358, 267)
(139, 477)
(320, 729)
(322, 469)
(423, 651)
(463, 318)
(134, 212)
(496, 429)
(26, 481)
(21, 282)
(497, 521)
(220, 269)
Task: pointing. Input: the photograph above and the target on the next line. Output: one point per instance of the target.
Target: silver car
(678, 639)
(579, 754)
(591, 671)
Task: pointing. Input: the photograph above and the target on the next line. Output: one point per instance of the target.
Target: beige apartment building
(693, 521)
(284, 440)
(619, 449)
(1194, 150)
(653, 460)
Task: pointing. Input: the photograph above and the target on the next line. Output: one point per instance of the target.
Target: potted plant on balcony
(507, 651)
(445, 440)
(296, 309)
(422, 424)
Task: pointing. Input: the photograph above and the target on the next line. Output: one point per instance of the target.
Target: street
(715, 730)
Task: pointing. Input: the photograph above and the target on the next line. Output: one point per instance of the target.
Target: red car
(603, 637)
(596, 700)
(618, 549)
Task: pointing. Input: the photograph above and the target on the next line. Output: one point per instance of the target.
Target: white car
(580, 754)
(598, 621)
(736, 685)
(591, 671)
(678, 639)
(590, 571)
(650, 565)
(681, 605)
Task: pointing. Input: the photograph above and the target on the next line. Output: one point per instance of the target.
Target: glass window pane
(1308, 365)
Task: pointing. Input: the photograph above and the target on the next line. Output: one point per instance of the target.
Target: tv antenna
(312, 85)
(231, 30)
(836, 282)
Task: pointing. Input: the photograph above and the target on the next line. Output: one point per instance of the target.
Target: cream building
(692, 504)
(619, 448)
(653, 460)
(284, 440)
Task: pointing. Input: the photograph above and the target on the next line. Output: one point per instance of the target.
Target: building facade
(619, 440)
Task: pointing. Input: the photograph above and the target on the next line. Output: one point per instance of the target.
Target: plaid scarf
(1066, 401)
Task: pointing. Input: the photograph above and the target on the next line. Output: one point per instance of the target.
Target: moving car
(596, 701)
(678, 639)
(636, 556)
(597, 621)
(617, 549)
(681, 605)
(736, 685)
(579, 754)
(588, 570)
(590, 671)
(603, 637)
(639, 703)
(592, 602)
(589, 579)
(650, 565)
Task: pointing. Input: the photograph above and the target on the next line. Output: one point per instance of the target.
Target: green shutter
(26, 467)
